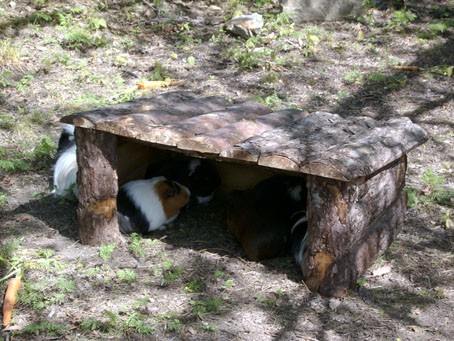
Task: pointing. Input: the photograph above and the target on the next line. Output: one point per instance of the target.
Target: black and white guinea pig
(299, 235)
(147, 205)
(65, 168)
(199, 175)
(261, 217)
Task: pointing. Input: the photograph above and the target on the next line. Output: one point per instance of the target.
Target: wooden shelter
(354, 167)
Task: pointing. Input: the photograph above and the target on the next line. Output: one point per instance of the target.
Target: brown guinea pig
(261, 217)
(150, 204)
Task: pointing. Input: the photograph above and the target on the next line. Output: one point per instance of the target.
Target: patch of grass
(353, 77)
(126, 275)
(108, 323)
(209, 305)
(9, 54)
(170, 273)
(81, 39)
(105, 251)
(6, 122)
(44, 329)
(400, 20)
(136, 245)
(137, 322)
(230, 283)
(171, 322)
(195, 285)
(46, 253)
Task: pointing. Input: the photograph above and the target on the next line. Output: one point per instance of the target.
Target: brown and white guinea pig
(261, 217)
(65, 168)
(147, 205)
(199, 175)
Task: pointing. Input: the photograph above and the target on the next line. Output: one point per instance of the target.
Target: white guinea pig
(65, 168)
(147, 205)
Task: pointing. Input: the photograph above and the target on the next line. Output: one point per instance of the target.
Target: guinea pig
(147, 205)
(299, 235)
(199, 175)
(65, 168)
(261, 217)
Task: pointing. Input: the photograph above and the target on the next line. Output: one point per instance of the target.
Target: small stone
(334, 304)
(245, 26)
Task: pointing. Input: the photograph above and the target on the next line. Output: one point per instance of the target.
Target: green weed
(137, 322)
(353, 77)
(170, 274)
(195, 285)
(44, 329)
(6, 122)
(97, 24)
(9, 53)
(136, 245)
(400, 20)
(209, 305)
(126, 275)
(46, 253)
(105, 251)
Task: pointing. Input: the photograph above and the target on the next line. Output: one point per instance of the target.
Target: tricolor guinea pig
(150, 204)
(65, 168)
(199, 175)
(261, 217)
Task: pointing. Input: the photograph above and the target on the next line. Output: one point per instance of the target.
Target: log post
(98, 187)
(350, 224)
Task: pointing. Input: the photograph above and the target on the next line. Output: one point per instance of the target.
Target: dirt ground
(192, 281)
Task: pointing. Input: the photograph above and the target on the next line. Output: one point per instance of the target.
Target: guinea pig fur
(299, 236)
(65, 168)
(262, 233)
(148, 205)
(199, 175)
(261, 217)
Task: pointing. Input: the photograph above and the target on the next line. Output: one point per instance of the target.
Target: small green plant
(435, 190)
(361, 281)
(66, 286)
(45, 329)
(352, 77)
(6, 122)
(209, 327)
(136, 245)
(3, 199)
(137, 322)
(126, 275)
(46, 253)
(209, 305)
(218, 274)
(108, 323)
(97, 24)
(401, 19)
(230, 283)
(105, 251)
(194, 285)
(9, 54)
(159, 73)
(24, 82)
(171, 322)
(170, 274)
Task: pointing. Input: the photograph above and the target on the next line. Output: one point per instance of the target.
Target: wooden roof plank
(160, 109)
(218, 140)
(172, 134)
(343, 149)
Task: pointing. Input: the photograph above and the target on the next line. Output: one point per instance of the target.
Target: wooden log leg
(98, 187)
(349, 225)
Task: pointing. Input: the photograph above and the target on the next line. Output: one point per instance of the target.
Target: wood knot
(105, 208)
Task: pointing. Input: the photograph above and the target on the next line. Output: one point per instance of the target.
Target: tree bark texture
(98, 187)
(349, 225)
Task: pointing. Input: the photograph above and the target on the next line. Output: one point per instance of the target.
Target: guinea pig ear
(172, 190)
